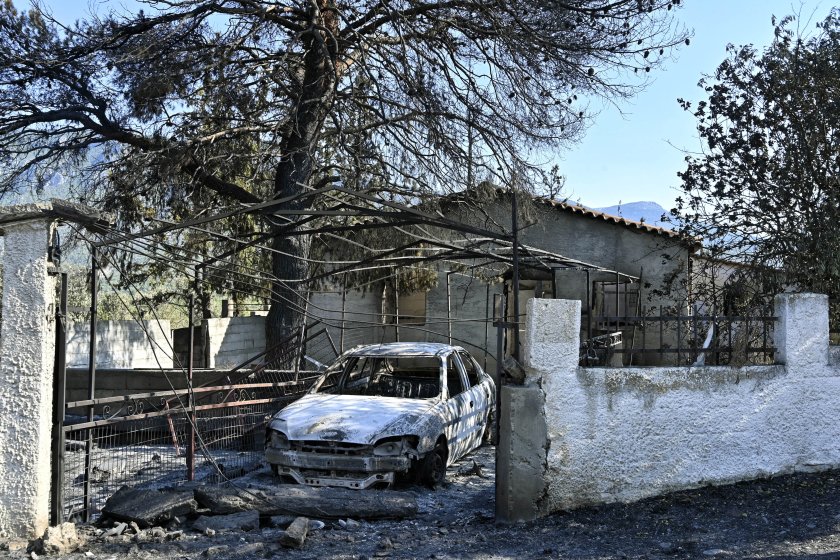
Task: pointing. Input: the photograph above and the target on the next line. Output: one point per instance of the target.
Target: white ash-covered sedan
(383, 410)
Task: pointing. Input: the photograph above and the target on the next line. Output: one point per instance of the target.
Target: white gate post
(27, 354)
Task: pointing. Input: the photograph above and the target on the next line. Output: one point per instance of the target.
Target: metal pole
(617, 301)
(487, 324)
(91, 381)
(59, 400)
(515, 228)
(500, 352)
(343, 312)
(448, 309)
(588, 307)
(397, 304)
(190, 399)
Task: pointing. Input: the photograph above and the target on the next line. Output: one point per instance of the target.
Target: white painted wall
(27, 347)
(122, 344)
(628, 433)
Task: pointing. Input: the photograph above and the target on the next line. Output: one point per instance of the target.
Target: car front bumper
(336, 470)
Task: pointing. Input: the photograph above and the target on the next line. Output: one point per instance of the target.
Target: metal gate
(211, 432)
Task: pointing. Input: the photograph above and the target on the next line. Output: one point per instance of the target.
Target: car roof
(404, 349)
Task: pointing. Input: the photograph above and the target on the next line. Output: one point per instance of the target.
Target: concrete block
(801, 333)
(552, 334)
(521, 455)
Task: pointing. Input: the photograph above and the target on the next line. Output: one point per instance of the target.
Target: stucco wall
(627, 433)
(27, 347)
(659, 260)
(121, 344)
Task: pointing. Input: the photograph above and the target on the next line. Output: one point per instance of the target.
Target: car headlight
(388, 448)
(278, 440)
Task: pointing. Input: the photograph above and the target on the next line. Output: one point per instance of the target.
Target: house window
(412, 308)
(616, 299)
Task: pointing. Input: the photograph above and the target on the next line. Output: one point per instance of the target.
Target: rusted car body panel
(405, 401)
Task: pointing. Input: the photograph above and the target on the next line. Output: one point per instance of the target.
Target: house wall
(121, 344)
(629, 433)
(467, 303)
(660, 261)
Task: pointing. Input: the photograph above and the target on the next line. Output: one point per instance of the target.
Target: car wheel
(433, 469)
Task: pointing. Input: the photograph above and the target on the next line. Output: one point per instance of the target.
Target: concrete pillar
(27, 353)
(552, 334)
(801, 332)
(551, 344)
(520, 455)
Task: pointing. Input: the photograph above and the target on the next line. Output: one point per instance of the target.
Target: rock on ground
(60, 539)
(244, 521)
(295, 534)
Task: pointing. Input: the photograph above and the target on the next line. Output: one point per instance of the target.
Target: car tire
(433, 467)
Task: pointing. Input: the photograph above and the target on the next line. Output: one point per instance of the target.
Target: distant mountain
(648, 212)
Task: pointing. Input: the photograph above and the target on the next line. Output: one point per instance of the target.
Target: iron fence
(145, 439)
(210, 432)
(663, 338)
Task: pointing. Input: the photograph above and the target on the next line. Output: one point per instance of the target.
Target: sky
(633, 152)
(635, 156)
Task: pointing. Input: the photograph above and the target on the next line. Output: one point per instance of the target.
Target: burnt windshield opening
(406, 377)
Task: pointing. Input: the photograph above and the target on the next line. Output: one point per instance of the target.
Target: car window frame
(478, 371)
(459, 367)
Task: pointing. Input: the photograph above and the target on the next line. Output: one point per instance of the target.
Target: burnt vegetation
(192, 107)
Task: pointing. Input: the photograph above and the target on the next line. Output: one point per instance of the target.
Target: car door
(458, 407)
(479, 399)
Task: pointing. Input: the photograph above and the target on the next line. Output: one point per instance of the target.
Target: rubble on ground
(295, 534)
(149, 507)
(60, 539)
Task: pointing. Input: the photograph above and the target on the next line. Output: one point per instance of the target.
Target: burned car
(383, 410)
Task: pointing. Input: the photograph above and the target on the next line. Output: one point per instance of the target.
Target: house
(616, 267)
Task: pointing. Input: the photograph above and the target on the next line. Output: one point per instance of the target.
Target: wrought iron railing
(674, 339)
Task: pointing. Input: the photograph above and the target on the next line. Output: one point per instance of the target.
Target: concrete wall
(120, 382)
(234, 340)
(27, 347)
(629, 433)
(351, 319)
(121, 344)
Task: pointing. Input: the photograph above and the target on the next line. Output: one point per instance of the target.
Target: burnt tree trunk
(289, 264)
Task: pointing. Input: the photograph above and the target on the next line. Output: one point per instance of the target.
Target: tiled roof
(583, 211)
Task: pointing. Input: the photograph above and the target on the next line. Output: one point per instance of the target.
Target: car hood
(350, 418)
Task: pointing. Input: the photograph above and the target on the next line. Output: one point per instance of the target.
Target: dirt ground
(796, 516)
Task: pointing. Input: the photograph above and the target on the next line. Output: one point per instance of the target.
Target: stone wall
(628, 433)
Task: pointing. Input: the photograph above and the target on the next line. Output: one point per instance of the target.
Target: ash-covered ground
(795, 516)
